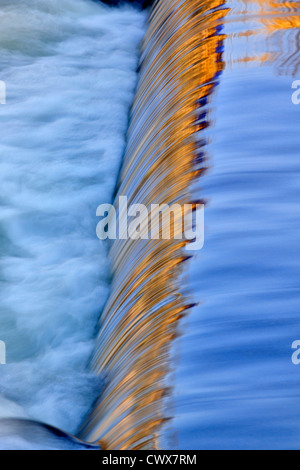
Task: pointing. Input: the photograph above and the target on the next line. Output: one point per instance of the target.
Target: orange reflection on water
(276, 25)
(180, 60)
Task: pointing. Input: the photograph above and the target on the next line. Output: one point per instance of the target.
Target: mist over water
(70, 70)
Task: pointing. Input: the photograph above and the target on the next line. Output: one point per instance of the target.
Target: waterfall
(180, 63)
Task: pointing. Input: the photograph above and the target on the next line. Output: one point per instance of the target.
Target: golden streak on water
(181, 61)
(179, 64)
(278, 23)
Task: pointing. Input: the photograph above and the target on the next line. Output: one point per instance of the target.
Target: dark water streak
(141, 3)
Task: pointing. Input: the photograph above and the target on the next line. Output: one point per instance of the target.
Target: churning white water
(70, 73)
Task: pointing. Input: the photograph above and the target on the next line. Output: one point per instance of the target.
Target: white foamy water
(70, 71)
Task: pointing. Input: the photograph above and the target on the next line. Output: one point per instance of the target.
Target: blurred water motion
(20, 434)
(62, 140)
(187, 47)
(235, 384)
(163, 157)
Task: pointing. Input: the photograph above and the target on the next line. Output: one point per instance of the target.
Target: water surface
(212, 120)
(70, 71)
(236, 386)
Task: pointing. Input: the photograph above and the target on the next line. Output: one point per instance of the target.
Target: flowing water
(214, 93)
(212, 121)
(236, 386)
(70, 72)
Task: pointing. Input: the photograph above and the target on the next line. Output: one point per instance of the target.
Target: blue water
(70, 73)
(236, 386)
(71, 77)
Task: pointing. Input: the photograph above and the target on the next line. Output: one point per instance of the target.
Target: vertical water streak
(181, 61)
